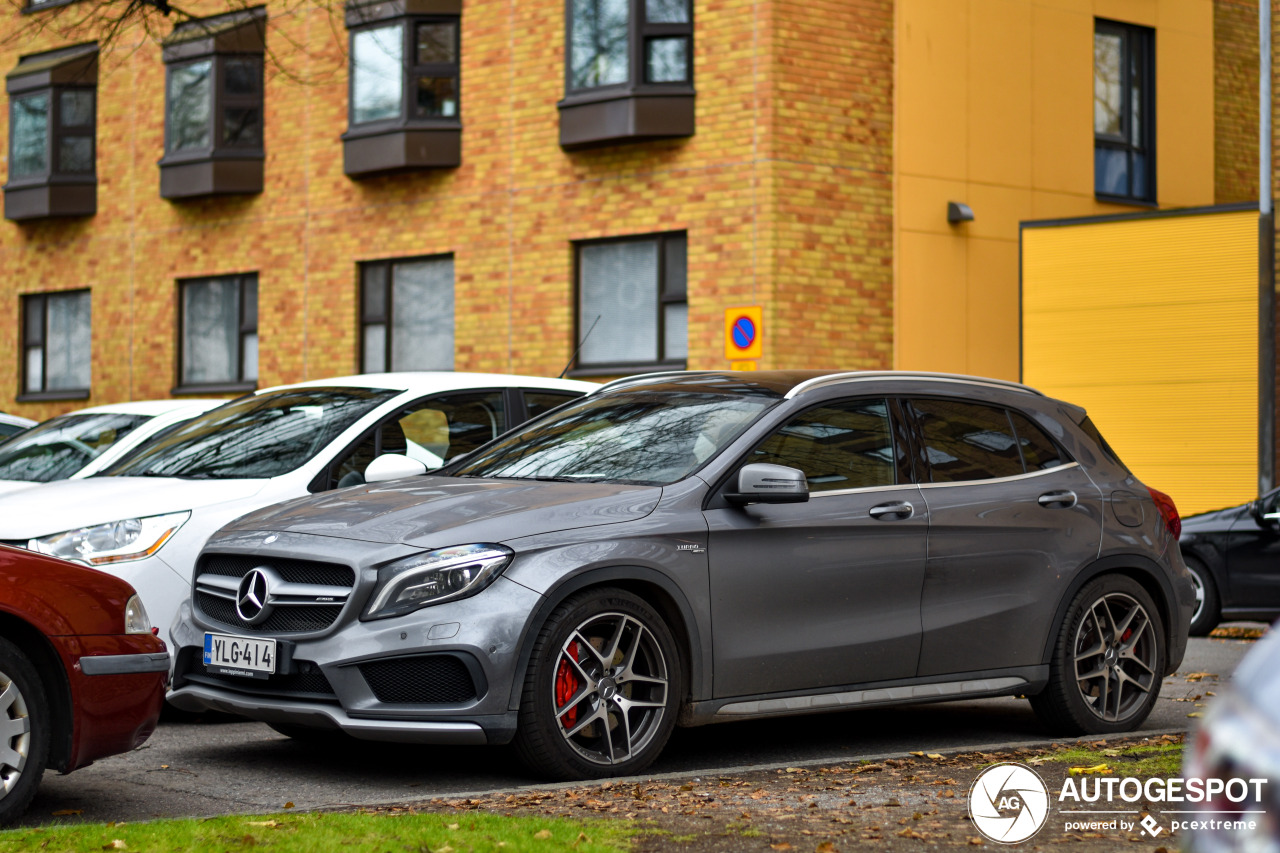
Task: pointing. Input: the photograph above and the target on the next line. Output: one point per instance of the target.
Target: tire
(25, 722)
(602, 690)
(1108, 661)
(1208, 605)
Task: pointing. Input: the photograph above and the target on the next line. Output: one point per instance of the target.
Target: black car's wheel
(1207, 612)
(24, 731)
(1108, 660)
(602, 689)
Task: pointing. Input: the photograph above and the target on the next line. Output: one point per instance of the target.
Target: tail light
(1168, 512)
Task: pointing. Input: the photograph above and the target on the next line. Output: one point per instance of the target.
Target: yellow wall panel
(1184, 69)
(1151, 325)
(1000, 110)
(928, 336)
(993, 309)
(932, 99)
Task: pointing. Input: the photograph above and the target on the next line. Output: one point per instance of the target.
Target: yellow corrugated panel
(1152, 326)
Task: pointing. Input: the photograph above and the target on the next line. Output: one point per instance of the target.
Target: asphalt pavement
(226, 766)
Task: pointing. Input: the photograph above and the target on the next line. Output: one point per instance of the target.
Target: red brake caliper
(566, 687)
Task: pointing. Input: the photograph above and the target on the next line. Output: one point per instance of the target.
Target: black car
(1234, 558)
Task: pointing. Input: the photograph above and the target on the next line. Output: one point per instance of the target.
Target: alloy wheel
(15, 734)
(610, 688)
(1197, 583)
(1116, 654)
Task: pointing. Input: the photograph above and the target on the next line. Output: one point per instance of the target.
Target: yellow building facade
(994, 108)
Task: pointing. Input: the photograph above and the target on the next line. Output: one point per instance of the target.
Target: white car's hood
(7, 486)
(68, 504)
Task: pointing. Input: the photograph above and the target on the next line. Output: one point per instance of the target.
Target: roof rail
(649, 377)
(863, 375)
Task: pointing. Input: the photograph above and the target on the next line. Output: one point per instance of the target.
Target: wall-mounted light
(958, 211)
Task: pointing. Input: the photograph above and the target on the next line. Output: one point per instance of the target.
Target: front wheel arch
(57, 689)
(657, 590)
(1142, 569)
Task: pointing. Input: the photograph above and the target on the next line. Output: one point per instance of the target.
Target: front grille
(294, 571)
(306, 682)
(424, 680)
(283, 620)
(213, 601)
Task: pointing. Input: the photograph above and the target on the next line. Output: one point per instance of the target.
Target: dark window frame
(666, 297)
(218, 167)
(405, 142)
(387, 318)
(636, 110)
(54, 191)
(1133, 37)
(244, 328)
(29, 338)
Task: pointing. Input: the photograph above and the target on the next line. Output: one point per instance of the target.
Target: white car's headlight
(435, 577)
(114, 541)
(136, 620)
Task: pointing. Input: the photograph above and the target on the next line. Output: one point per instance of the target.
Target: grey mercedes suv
(681, 549)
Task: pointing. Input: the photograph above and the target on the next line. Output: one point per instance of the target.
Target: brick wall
(785, 191)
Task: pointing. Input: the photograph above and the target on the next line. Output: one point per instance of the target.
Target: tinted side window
(966, 441)
(540, 402)
(1039, 453)
(845, 445)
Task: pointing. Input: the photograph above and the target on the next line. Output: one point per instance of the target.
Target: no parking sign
(742, 333)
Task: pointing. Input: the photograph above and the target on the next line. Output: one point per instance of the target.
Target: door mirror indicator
(763, 483)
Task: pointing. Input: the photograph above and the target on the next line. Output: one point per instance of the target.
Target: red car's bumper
(117, 688)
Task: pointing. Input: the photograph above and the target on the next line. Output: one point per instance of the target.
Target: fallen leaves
(1095, 770)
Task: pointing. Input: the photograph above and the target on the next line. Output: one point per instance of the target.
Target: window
(219, 333)
(52, 118)
(964, 441)
(432, 432)
(632, 303)
(629, 71)
(406, 315)
(214, 106)
(1039, 453)
(1124, 112)
(839, 446)
(405, 87)
(61, 446)
(538, 403)
(55, 345)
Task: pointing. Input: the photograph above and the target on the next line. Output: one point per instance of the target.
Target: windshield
(60, 447)
(254, 437)
(650, 438)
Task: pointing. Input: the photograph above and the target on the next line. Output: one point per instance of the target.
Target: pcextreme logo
(1010, 802)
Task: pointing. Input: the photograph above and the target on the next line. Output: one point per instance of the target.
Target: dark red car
(82, 674)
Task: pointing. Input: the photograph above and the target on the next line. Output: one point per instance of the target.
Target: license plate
(249, 657)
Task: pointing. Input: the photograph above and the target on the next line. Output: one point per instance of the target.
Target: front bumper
(443, 674)
(117, 690)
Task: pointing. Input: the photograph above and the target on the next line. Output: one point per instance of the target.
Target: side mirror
(392, 466)
(1265, 513)
(763, 483)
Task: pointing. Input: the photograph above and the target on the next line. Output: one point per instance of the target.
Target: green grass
(321, 833)
(1157, 759)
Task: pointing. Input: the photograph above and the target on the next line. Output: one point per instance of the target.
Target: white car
(82, 443)
(11, 425)
(148, 517)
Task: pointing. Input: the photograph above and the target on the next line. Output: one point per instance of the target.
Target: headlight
(113, 542)
(435, 577)
(135, 617)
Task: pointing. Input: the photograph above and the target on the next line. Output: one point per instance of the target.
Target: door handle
(1064, 499)
(892, 511)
